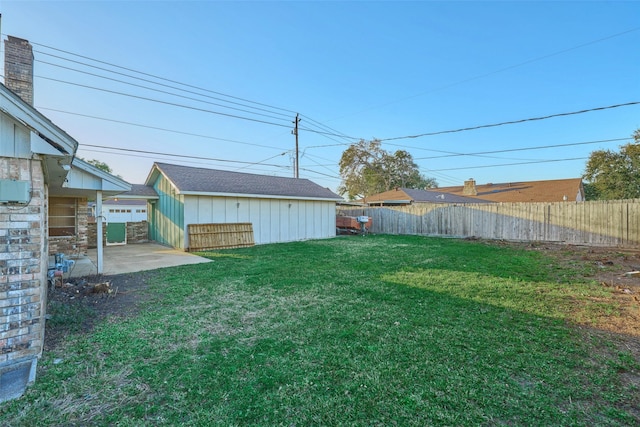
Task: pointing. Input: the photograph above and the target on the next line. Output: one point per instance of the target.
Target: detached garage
(279, 209)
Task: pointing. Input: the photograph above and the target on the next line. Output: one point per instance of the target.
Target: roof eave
(13, 105)
(258, 196)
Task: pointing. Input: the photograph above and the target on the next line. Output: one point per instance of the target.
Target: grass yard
(351, 331)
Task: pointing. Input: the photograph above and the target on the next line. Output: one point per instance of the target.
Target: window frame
(59, 225)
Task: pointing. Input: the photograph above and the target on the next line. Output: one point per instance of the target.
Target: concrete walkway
(131, 258)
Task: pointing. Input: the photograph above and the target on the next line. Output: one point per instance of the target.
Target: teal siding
(167, 218)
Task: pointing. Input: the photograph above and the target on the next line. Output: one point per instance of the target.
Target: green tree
(614, 175)
(100, 165)
(367, 169)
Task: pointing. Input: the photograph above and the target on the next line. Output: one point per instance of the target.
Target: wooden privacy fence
(596, 223)
(204, 237)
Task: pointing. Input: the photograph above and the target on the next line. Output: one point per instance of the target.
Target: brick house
(43, 198)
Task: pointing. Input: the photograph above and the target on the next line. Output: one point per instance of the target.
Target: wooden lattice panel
(204, 237)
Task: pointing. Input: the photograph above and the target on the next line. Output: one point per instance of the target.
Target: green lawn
(353, 331)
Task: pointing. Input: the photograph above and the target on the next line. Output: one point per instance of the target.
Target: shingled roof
(203, 181)
(556, 190)
(412, 195)
(139, 191)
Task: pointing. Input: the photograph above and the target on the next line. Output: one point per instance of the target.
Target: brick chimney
(470, 188)
(18, 67)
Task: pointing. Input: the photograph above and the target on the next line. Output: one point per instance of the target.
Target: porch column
(99, 229)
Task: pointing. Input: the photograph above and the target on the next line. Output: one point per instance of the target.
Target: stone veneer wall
(23, 282)
(137, 232)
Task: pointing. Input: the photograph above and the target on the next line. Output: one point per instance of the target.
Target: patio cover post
(99, 229)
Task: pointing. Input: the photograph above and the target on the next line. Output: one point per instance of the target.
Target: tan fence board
(203, 237)
(597, 223)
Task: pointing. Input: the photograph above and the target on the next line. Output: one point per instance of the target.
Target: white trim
(99, 173)
(15, 107)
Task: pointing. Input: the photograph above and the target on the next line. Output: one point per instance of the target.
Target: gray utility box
(12, 191)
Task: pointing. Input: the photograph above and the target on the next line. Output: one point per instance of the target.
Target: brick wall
(18, 69)
(23, 284)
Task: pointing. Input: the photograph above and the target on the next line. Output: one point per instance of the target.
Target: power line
(512, 122)
(331, 132)
(325, 127)
(144, 98)
(500, 70)
(161, 129)
(131, 150)
(152, 82)
(160, 78)
(262, 161)
(510, 164)
(326, 134)
(187, 106)
(320, 173)
(173, 104)
(154, 158)
(522, 149)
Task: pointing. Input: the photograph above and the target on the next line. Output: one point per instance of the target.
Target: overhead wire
(480, 153)
(173, 104)
(155, 158)
(131, 150)
(262, 161)
(162, 78)
(328, 132)
(531, 119)
(500, 70)
(331, 132)
(156, 83)
(161, 129)
(510, 164)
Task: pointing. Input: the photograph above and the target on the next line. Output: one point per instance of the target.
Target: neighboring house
(43, 206)
(279, 209)
(556, 190)
(409, 196)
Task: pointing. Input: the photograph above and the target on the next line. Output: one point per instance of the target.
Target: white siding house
(279, 209)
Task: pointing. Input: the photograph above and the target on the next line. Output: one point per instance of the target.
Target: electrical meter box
(13, 191)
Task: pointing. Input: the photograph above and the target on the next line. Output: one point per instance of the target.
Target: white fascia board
(153, 177)
(258, 196)
(14, 106)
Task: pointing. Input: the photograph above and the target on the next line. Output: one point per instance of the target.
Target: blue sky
(358, 69)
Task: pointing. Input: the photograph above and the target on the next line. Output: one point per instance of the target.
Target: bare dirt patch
(114, 296)
(615, 269)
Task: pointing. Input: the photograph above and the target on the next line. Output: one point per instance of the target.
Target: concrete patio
(131, 258)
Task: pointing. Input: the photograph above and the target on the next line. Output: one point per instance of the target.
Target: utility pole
(296, 171)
